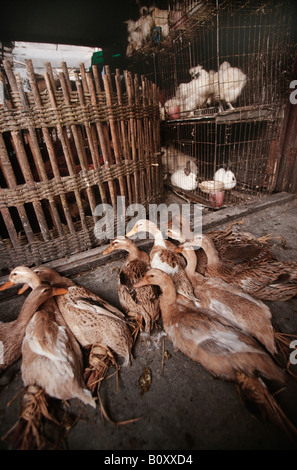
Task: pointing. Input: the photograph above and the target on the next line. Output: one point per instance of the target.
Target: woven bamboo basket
(67, 149)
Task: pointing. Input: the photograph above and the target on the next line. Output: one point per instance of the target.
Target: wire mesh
(224, 81)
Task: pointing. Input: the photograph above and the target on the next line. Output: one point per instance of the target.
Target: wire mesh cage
(237, 56)
(240, 154)
(224, 80)
(65, 151)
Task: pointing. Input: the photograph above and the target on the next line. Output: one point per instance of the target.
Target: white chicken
(195, 71)
(139, 31)
(184, 178)
(226, 84)
(194, 95)
(189, 96)
(174, 160)
(226, 177)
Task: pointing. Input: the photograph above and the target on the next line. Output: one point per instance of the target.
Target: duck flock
(205, 293)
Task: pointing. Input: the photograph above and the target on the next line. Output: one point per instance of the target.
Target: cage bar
(224, 73)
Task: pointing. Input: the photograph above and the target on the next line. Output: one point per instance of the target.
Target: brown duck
(51, 357)
(12, 333)
(251, 315)
(91, 319)
(265, 280)
(163, 257)
(222, 349)
(141, 303)
(234, 248)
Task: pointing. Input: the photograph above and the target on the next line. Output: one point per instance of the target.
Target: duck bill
(23, 289)
(141, 283)
(7, 285)
(59, 291)
(131, 233)
(177, 250)
(109, 249)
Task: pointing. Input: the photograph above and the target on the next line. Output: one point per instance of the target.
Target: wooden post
(125, 143)
(129, 88)
(116, 148)
(78, 142)
(100, 131)
(48, 143)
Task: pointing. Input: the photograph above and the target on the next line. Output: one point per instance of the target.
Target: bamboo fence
(64, 150)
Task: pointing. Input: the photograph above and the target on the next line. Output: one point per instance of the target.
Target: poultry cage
(79, 145)
(224, 79)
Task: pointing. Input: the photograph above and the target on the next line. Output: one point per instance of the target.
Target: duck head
(119, 243)
(154, 277)
(22, 275)
(143, 225)
(44, 292)
(50, 276)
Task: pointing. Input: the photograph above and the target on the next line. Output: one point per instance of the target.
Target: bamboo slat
(63, 151)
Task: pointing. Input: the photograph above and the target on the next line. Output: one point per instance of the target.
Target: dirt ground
(185, 408)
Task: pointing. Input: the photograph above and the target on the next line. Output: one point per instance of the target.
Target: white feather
(194, 94)
(183, 181)
(226, 177)
(228, 83)
(158, 264)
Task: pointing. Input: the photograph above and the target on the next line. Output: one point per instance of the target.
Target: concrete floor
(185, 408)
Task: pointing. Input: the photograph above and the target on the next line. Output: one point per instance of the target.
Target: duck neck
(190, 268)
(159, 239)
(168, 296)
(185, 229)
(32, 280)
(190, 256)
(178, 235)
(135, 254)
(210, 251)
(34, 283)
(30, 306)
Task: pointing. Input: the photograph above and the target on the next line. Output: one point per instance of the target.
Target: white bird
(195, 71)
(194, 95)
(139, 31)
(211, 77)
(227, 84)
(184, 179)
(227, 177)
(173, 160)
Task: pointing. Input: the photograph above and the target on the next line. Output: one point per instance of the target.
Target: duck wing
(46, 338)
(142, 300)
(51, 362)
(82, 297)
(97, 308)
(218, 346)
